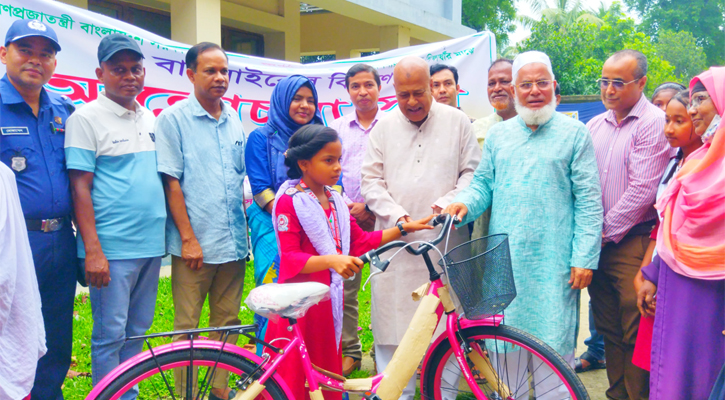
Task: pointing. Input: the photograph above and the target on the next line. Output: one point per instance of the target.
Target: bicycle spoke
(158, 366)
(513, 366)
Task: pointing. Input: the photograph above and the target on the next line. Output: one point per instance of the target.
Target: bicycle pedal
(371, 396)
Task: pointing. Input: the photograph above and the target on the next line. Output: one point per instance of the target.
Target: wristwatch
(402, 230)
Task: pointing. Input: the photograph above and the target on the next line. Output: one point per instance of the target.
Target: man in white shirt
(419, 156)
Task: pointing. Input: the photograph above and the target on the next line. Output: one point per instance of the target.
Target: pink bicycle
(476, 357)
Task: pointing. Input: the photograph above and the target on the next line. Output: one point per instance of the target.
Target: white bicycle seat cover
(289, 300)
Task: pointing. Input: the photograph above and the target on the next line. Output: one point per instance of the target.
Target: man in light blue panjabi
(539, 175)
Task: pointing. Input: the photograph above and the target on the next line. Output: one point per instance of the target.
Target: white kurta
(22, 334)
(406, 170)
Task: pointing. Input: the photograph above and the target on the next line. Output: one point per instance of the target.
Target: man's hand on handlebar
(346, 266)
(457, 210)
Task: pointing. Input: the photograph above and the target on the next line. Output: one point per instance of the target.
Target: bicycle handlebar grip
(439, 219)
(365, 259)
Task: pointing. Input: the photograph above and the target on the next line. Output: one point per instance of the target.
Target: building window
(317, 58)
(242, 42)
(155, 21)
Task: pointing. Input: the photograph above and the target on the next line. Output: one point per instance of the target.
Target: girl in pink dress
(319, 241)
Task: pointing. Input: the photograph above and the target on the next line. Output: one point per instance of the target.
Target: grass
(78, 386)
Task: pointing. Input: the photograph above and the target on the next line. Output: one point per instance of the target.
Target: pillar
(394, 37)
(274, 45)
(194, 21)
(292, 32)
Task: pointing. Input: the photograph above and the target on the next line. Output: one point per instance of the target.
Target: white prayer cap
(531, 57)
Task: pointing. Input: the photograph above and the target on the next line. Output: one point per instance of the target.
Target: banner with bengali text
(252, 79)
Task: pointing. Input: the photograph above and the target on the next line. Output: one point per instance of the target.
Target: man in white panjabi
(22, 333)
(538, 174)
(419, 156)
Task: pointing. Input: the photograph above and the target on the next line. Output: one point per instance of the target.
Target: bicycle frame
(414, 346)
(435, 302)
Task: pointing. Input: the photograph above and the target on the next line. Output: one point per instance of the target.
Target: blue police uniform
(33, 148)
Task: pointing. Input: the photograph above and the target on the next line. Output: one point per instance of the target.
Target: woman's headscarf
(278, 116)
(280, 126)
(690, 239)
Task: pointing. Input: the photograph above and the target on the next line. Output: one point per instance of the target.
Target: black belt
(46, 225)
(643, 228)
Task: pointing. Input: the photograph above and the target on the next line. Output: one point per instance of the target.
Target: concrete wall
(350, 27)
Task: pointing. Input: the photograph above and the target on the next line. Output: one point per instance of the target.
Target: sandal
(593, 363)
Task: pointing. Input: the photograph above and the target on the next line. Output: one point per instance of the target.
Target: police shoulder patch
(291, 191)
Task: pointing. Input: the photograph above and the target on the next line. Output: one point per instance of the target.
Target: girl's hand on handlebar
(346, 266)
(418, 225)
(394, 233)
(457, 210)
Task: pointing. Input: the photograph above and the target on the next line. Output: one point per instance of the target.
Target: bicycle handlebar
(372, 256)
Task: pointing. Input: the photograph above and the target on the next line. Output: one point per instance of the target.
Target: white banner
(251, 78)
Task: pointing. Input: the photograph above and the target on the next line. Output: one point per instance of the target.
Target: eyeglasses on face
(542, 84)
(697, 100)
(618, 84)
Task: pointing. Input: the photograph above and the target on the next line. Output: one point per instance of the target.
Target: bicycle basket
(480, 273)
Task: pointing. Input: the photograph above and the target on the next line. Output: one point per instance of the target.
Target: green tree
(705, 19)
(578, 54)
(497, 16)
(681, 50)
(563, 14)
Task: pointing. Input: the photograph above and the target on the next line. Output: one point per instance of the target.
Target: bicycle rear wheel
(155, 377)
(520, 367)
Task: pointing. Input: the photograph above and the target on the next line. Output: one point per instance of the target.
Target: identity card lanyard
(332, 221)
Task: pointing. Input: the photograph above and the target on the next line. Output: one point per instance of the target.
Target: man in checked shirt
(632, 154)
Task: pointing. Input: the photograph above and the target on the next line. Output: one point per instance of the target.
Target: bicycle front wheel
(155, 376)
(508, 364)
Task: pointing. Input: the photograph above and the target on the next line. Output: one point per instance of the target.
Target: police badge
(18, 163)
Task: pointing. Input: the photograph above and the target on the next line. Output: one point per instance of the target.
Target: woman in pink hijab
(685, 283)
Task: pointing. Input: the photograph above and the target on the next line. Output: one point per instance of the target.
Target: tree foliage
(497, 16)
(564, 13)
(681, 50)
(705, 19)
(578, 53)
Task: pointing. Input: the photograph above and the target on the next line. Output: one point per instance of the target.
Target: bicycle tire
(202, 357)
(431, 386)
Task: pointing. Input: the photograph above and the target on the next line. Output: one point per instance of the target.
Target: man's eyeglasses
(542, 84)
(618, 84)
(698, 100)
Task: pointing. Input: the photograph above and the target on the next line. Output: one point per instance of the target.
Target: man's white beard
(535, 117)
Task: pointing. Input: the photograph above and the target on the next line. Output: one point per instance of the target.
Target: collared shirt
(631, 156)
(354, 144)
(482, 125)
(34, 151)
(207, 157)
(117, 146)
